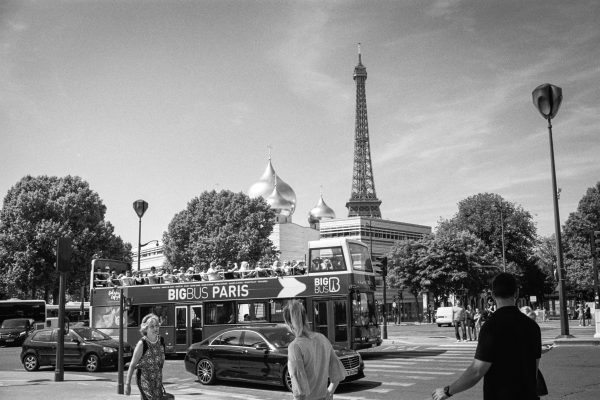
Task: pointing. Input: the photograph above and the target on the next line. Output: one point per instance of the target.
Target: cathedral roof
(321, 211)
(266, 185)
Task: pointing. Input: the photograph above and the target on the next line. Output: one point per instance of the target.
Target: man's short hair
(504, 285)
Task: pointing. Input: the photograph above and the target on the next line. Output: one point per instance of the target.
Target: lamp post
(502, 230)
(140, 207)
(547, 99)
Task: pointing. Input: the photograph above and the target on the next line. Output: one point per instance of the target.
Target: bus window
(255, 312)
(363, 310)
(132, 316)
(106, 317)
(277, 309)
(327, 259)
(165, 317)
(361, 260)
(219, 313)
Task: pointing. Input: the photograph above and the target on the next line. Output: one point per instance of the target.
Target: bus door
(330, 317)
(196, 322)
(181, 328)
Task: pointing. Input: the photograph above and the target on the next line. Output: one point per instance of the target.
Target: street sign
(63, 254)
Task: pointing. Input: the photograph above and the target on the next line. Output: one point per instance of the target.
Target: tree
(486, 215)
(577, 251)
(35, 213)
(220, 226)
(450, 261)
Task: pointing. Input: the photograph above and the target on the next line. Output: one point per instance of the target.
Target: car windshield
(90, 334)
(280, 338)
(14, 323)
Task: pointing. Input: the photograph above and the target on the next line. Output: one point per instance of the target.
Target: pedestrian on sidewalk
(477, 323)
(312, 362)
(459, 320)
(508, 352)
(470, 320)
(581, 314)
(148, 358)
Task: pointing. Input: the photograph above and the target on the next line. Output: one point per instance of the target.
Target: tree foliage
(220, 226)
(35, 213)
(577, 250)
(491, 218)
(450, 261)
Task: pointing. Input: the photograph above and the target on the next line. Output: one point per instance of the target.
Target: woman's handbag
(542, 389)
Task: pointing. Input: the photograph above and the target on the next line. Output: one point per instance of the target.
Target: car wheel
(31, 362)
(287, 380)
(92, 363)
(206, 371)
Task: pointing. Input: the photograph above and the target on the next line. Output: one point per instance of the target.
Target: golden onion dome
(279, 203)
(321, 211)
(265, 185)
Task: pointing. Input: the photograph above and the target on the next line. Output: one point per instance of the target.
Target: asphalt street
(409, 365)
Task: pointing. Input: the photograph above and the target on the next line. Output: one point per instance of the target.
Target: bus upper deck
(339, 300)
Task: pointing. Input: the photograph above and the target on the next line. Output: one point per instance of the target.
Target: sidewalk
(24, 385)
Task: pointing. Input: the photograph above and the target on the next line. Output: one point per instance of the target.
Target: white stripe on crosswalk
(398, 367)
(403, 384)
(413, 371)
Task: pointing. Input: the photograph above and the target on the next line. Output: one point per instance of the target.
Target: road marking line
(403, 384)
(416, 372)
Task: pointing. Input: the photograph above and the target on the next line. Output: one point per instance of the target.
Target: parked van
(443, 316)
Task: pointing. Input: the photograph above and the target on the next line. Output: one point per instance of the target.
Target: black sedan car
(82, 346)
(254, 353)
(14, 331)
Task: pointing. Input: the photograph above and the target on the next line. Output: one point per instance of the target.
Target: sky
(163, 100)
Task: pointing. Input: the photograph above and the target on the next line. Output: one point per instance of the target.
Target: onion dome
(320, 211)
(279, 203)
(265, 186)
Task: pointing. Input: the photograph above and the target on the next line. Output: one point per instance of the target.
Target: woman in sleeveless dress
(148, 357)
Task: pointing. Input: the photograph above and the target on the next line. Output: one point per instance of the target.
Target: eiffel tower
(363, 200)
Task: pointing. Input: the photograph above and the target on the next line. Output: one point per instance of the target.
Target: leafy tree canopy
(220, 226)
(35, 213)
(491, 218)
(577, 250)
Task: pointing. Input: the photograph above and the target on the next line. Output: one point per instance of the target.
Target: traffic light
(63, 254)
(384, 263)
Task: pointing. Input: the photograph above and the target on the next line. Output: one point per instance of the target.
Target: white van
(443, 316)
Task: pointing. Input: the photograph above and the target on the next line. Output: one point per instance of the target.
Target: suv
(82, 346)
(15, 330)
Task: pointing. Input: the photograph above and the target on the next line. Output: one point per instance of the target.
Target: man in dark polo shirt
(508, 352)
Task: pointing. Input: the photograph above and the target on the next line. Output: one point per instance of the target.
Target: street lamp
(547, 99)
(140, 207)
(502, 230)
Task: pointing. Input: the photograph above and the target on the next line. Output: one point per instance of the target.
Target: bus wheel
(31, 363)
(287, 380)
(206, 372)
(92, 363)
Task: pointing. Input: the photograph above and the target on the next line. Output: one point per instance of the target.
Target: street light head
(140, 207)
(547, 99)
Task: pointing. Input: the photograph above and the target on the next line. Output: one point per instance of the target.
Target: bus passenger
(245, 270)
(153, 277)
(113, 279)
(213, 272)
(100, 277)
(127, 279)
(276, 269)
(139, 279)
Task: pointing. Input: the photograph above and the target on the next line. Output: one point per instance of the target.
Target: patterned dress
(149, 370)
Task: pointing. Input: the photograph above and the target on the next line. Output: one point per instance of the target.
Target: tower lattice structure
(363, 199)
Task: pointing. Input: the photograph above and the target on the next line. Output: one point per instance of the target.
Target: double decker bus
(30, 309)
(75, 312)
(337, 290)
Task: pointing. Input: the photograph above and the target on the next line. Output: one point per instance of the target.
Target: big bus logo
(327, 285)
(114, 295)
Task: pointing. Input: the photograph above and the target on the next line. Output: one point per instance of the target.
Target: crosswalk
(389, 372)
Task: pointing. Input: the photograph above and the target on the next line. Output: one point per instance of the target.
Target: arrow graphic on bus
(291, 287)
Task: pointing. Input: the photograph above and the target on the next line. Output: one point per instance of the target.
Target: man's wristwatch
(447, 391)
